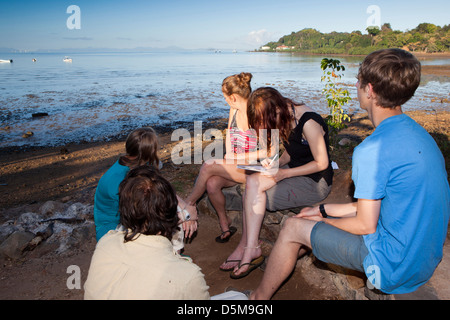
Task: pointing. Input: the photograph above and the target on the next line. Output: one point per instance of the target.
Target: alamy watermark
(374, 20)
(74, 20)
(74, 280)
(373, 277)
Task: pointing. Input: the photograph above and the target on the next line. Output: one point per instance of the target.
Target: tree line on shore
(426, 37)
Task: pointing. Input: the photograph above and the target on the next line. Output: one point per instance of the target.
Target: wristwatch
(187, 216)
(185, 213)
(322, 211)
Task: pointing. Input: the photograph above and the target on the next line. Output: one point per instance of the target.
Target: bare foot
(233, 259)
(247, 257)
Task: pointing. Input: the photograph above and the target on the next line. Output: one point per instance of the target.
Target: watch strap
(322, 211)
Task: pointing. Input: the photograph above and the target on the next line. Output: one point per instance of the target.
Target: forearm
(306, 169)
(253, 156)
(351, 225)
(361, 222)
(284, 159)
(340, 210)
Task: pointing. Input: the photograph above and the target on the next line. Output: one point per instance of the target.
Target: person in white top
(140, 261)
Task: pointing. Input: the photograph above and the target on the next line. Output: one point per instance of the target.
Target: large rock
(14, 246)
(53, 227)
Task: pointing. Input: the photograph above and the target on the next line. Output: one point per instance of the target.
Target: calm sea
(99, 96)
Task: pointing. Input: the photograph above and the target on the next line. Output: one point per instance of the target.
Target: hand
(270, 163)
(189, 228)
(191, 225)
(310, 213)
(276, 174)
(192, 209)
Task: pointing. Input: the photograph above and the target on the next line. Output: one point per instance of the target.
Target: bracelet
(322, 211)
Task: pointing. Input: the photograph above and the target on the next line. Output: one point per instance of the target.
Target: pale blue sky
(197, 24)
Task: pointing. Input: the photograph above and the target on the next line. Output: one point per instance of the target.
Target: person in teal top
(141, 148)
(106, 203)
(396, 230)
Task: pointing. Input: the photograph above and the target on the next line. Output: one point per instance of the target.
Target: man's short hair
(394, 75)
(147, 204)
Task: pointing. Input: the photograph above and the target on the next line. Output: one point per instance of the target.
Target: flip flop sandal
(255, 263)
(231, 230)
(231, 268)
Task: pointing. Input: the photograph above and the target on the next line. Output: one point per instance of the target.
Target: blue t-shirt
(401, 164)
(106, 202)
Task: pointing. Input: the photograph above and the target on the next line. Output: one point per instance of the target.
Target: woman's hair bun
(239, 84)
(245, 77)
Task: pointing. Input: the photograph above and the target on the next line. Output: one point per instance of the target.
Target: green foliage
(425, 37)
(373, 31)
(336, 96)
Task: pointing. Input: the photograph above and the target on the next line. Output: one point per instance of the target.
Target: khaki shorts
(296, 192)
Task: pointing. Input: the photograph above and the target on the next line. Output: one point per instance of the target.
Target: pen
(273, 159)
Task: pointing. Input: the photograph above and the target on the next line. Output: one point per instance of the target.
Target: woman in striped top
(241, 141)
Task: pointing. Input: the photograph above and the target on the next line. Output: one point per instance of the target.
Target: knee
(206, 170)
(291, 228)
(298, 230)
(206, 166)
(213, 184)
(252, 182)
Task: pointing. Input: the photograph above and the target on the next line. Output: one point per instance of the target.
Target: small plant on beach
(336, 96)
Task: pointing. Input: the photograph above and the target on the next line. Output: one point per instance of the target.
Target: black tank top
(300, 152)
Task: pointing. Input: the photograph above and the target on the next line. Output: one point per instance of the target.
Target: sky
(197, 24)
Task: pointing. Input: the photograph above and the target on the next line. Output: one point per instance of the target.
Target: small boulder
(15, 244)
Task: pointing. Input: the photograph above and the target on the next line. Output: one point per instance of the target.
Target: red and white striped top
(242, 141)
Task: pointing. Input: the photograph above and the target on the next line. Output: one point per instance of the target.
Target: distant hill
(426, 37)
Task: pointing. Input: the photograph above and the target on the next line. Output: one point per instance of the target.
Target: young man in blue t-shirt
(396, 230)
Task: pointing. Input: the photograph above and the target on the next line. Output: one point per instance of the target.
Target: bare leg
(292, 240)
(210, 169)
(235, 257)
(254, 210)
(214, 187)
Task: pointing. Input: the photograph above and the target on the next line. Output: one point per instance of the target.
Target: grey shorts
(296, 192)
(333, 245)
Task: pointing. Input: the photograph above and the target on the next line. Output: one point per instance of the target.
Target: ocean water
(99, 96)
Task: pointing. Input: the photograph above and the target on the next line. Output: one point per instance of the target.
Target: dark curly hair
(147, 204)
